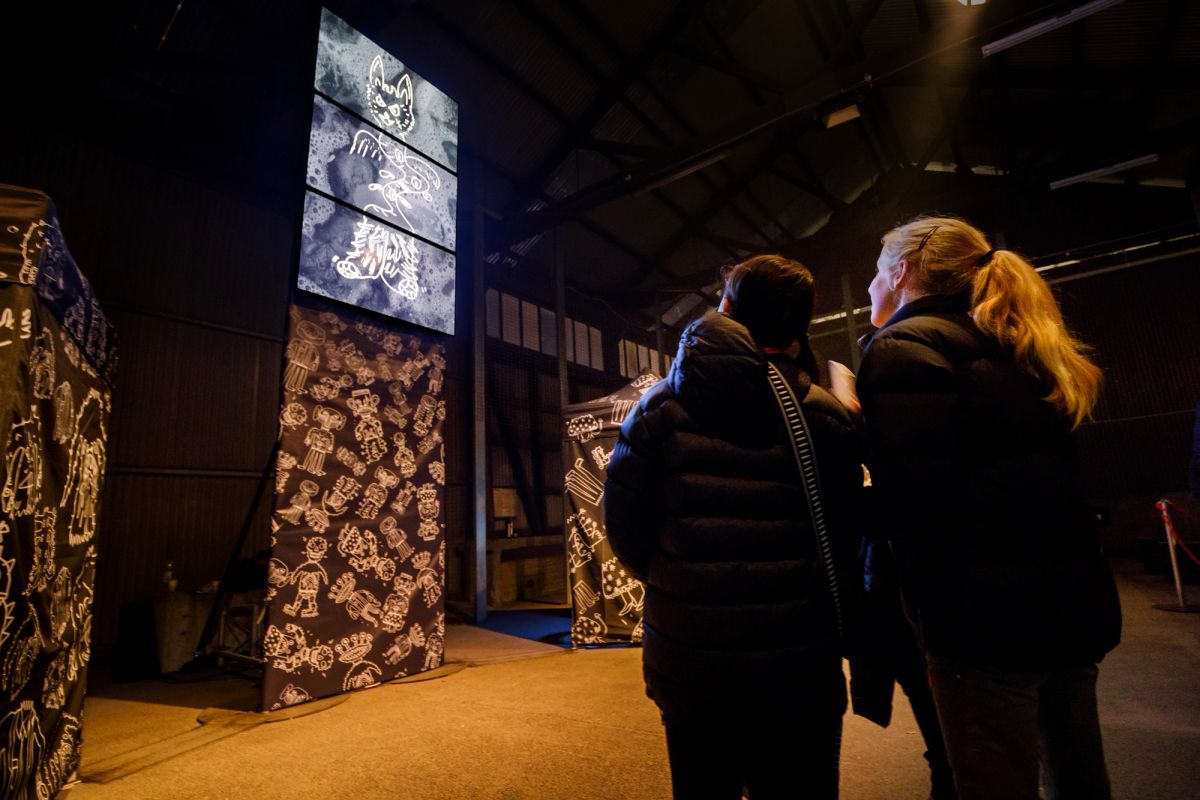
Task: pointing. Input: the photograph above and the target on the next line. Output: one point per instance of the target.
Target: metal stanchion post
(1183, 605)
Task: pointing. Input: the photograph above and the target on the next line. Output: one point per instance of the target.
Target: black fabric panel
(358, 552)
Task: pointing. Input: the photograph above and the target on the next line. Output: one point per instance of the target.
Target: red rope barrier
(1163, 506)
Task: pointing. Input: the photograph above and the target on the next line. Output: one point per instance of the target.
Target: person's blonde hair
(1010, 301)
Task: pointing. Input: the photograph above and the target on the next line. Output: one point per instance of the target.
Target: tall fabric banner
(358, 550)
(56, 351)
(606, 601)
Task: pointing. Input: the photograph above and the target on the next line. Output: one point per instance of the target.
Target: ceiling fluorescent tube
(1099, 173)
(1047, 25)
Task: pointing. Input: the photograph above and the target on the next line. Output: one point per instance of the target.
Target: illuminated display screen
(379, 216)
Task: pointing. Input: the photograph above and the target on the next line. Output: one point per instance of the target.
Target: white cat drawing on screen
(403, 175)
(378, 253)
(390, 104)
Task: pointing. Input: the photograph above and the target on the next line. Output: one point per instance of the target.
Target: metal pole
(479, 406)
(659, 338)
(851, 326)
(1163, 507)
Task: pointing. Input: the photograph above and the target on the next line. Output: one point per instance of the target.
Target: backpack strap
(806, 461)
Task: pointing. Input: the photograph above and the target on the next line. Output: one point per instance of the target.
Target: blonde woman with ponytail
(971, 388)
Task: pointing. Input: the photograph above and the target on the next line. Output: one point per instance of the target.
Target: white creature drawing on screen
(319, 438)
(308, 578)
(403, 175)
(23, 467)
(290, 650)
(353, 650)
(359, 603)
(303, 354)
(391, 104)
(583, 484)
(380, 253)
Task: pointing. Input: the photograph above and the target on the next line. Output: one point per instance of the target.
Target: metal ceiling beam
(729, 68)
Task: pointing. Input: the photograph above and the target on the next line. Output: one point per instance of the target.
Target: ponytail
(1013, 304)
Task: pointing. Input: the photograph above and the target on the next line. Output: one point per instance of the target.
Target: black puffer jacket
(978, 476)
(704, 503)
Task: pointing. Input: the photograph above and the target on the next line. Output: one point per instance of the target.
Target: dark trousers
(1000, 726)
(914, 680)
(788, 756)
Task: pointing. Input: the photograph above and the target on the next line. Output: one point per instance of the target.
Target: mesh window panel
(492, 303)
(597, 354)
(530, 326)
(582, 345)
(511, 316)
(549, 332)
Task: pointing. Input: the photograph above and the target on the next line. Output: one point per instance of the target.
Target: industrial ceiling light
(971, 2)
(1099, 173)
(1046, 25)
(842, 115)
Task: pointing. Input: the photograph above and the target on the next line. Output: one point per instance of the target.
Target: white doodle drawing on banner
(64, 413)
(62, 763)
(578, 553)
(54, 689)
(396, 604)
(403, 644)
(437, 471)
(426, 445)
(427, 579)
(600, 458)
(308, 578)
(405, 175)
(424, 416)
(303, 354)
(301, 502)
(409, 373)
(41, 366)
(329, 388)
(7, 606)
(643, 382)
(396, 538)
(589, 630)
(585, 595)
(85, 471)
(349, 458)
(583, 429)
(284, 464)
(97, 340)
(278, 576)
(368, 430)
(292, 416)
(23, 467)
(291, 695)
(583, 484)
(290, 650)
(353, 650)
(18, 663)
(23, 745)
(31, 250)
(81, 648)
(618, 584)
(639, 631)
(361, 548)
(319, 438)
(375, 495)
(396, 416)
(379, 253)
(333, 322)
(588, 527)
(428, 508)
(333, 503)
(621, 409)
(359, 603)
(435, 648)
(62, 612)
(42, 563)
(404, 497)
(390, 105)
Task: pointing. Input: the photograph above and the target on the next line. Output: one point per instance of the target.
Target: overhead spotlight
(1045, 26)
(971, 2)
(1100, 173)
(842, 115)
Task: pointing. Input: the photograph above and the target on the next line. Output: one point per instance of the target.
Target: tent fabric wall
(56, 352)
(606, 601)
(358, 561)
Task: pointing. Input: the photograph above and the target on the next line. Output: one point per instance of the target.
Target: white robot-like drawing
(308, 578)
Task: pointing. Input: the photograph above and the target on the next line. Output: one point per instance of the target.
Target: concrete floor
(513, 718)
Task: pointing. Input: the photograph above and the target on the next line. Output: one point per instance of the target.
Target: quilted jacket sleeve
(633, 490)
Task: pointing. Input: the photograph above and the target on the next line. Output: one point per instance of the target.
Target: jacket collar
(957, 303)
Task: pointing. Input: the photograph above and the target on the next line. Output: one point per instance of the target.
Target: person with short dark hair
(705, 504)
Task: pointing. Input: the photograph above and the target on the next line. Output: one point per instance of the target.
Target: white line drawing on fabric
(396, 415)
(437, 471)
(308, 578)
(428, 508)
(353, 650)
(54, 689)
(62, 612)
(620, 410)
(396, 604)
(333, 503)
(409, 175)
(368, 430)
(351, 459)
(589, 527)
(361, 548)
(329, 388)
(407, 375)
(379, 253)
(292, 416)
(290, 650)
(291, 695)
(278, 576)
(41, 570)
(643, 382)
(435, 648)
(332, 322)
(583, 428)
(585, 595)
(7, 606)
(32, 244)
(618, 584)
(600, 458)
(285, 462)
(589, 630)
(396, 538)
(424, 415)
(300, 503)
(319, 439)
(85, 473)
(18, 662)
(404, 497)
(390, 104)
(41, 366)
(81, 647)
(64, 413)
(426, 445)
(578, 553)
(23, 467)
(583, 484)
(303, 354)
(23, 745)
(427, 579)
(639, 631)
(360, 604)
(403, 644)
(62, 763)
(375, 495)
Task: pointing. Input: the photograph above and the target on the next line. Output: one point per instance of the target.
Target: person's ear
(900, 275)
